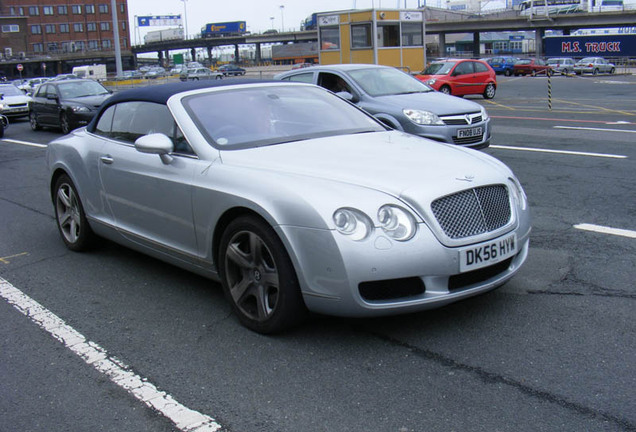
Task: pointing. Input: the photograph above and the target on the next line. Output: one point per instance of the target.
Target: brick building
(69, 26)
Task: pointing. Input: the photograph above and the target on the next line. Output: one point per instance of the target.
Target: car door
(150, 200)
(482, 77)
(463, 78)
(49, 106)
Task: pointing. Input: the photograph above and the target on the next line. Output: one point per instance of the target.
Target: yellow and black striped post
(549, 90)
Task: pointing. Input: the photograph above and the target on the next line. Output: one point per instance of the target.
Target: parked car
(531, 67)
(502, 65)
(197, 74)
(230, 69)
(62, 77)
(562, 65)
(33, 83)
(14, 103)
(402, 102)
(292, 198)
(459, 77)
(155, 72)
(131, 74)
(66, 104)
(594, 65)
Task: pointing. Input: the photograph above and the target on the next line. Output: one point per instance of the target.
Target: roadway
(552, 350)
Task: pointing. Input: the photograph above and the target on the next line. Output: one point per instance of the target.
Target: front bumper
(16, 111)
(332, 270)
(449, 134)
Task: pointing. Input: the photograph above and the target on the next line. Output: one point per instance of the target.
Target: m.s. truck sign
(617, 45)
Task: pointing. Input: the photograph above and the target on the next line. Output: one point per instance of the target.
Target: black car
(67, 104)
(231, 69)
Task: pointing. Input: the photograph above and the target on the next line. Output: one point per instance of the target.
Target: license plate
(469, 133)
(487, 253)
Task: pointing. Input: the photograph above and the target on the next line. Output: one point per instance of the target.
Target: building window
(107, 43)
(34, 10)
(104, 25)
(76, 9)
(62, 10)
(93, 45)
(412, 34)
(64, 28)
(329, 38)
(124, 43)
(123, 25)
(11, 28)
(122, 8)
(79, 46)
(47, 10)
(38, 47)
(49, 28)
(90, 9)
(103, 8)
(51, 47)
(78, 27)
(388, 34)
(36, 29)
(361, 35)
(91, 27)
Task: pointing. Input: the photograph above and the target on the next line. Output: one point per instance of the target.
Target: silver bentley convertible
(294, 199)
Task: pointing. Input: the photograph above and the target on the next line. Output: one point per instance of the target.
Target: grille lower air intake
(473, 211)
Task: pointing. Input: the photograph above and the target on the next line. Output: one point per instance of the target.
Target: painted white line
(575, 153)
(27, 143)
(594, 129)
(185, 419)
(606, 230)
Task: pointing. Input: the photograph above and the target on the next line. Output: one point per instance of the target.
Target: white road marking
(567, 152)
(27, 143)
(606, 230)
(185, 419)
(594, 129)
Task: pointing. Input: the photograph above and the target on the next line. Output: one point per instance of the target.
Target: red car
(459, 77)
(531, 67)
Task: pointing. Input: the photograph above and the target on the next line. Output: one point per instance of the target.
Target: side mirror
(348, 97)
(156, 143)
(51, 97)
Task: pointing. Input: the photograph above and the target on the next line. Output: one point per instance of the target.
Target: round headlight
(431, 81)
(352, 222)
(396, 222)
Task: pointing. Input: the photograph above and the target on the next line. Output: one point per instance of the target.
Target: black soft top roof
(162, 92)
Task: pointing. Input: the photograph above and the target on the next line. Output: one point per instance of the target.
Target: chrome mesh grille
(473, 211)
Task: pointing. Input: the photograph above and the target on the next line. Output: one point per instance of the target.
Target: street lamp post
(282, 19)
(185, 18)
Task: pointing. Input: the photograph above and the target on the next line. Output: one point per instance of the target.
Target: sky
(256, 13)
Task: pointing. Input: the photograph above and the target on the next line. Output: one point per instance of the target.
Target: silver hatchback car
(402, 102)
(594, 65)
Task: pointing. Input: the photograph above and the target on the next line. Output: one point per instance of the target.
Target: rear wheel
(612, 70)
(445, 89)
(70, 216)
(595, 72)
(258, 277)
(64, 124)
(507, 72)
(33, 120)
(489, 91)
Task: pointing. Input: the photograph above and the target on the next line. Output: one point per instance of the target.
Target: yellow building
(387, 37)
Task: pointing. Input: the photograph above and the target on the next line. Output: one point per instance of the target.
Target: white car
(13, 101)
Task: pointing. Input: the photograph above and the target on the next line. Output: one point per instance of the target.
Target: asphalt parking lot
(552, 350)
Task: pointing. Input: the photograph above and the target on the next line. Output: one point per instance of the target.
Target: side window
(303, 77)
(51, 91)
(333, 82)
(41, 92)
(479, 67)
(463, 68)
(105, 122)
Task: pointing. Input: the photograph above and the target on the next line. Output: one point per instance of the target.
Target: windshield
(75, 89)
(524, 61)
(10, 90)
(258, 116)
(384, 81)
(441, 68)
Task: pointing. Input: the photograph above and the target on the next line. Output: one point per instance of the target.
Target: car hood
(415, 169)
(90, 101)
(15, 99)
(437, 102)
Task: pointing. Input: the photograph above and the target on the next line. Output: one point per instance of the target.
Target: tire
(70, 217)
(33, 120)
(507, 72)
(564, 71)
(533, 73)
(612, 71)
(1, 130)
(64, 124)
(219, 77)
(445, 89)
(489, 91)
(595, 72)
(258, 277)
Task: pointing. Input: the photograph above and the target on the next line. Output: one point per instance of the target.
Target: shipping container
(233, 28)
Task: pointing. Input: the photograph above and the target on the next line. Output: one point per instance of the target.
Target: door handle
(108, 159)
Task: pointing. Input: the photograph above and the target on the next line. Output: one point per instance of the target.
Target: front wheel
(489, 92)
(445, 89)
(70, 216)
(507, 72)
(595, 72)
(258, 277)
(219, 77)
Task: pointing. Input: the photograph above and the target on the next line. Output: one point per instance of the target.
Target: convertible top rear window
(253, 117)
